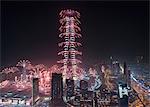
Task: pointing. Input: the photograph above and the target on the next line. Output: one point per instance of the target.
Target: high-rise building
(129, 78)
(123, 88)
(116, 68)
(123, 95)
(70, 87)
(70, 31)
(57, 91)
(35, 90)
(84, 88)
(127, 75)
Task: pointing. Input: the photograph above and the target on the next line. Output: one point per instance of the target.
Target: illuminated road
(142, 91)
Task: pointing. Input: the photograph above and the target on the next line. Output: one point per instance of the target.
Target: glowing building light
(69, 32)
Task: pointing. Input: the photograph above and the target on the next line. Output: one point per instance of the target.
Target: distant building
(125, 71)
(83, 85)
(35, 90)
(57, 91)
(84, 88)
(123, 87)
(57, 86)
(70, 87)
(116, 67)
(123, 95)
(127, 75)
(129, 78)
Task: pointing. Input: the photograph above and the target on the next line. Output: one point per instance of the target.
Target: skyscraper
(57, 89)
(69, 32)
(84, 88)
(123, 95)
(70, 87)
(35, 90)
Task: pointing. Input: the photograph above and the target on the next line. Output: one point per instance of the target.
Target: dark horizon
(30, 30)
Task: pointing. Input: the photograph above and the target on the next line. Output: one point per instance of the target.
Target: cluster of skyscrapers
(70, 86)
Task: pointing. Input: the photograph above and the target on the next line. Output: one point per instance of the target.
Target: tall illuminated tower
(70, 31)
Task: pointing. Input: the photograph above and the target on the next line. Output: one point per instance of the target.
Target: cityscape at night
(75, 54)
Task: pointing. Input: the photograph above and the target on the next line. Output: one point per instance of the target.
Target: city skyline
(30, 30)
(75, 54)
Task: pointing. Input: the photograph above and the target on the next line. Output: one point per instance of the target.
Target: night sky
(30, 31)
